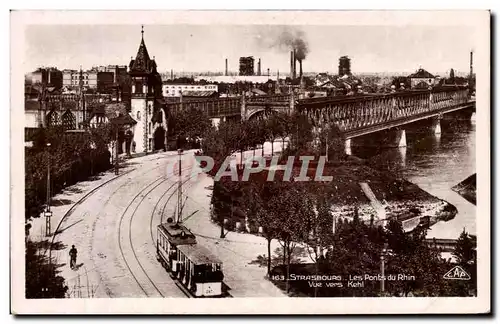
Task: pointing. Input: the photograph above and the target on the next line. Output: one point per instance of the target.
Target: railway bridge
(355, 116)
(387, 114)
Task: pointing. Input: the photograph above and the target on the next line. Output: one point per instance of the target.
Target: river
(436, 163)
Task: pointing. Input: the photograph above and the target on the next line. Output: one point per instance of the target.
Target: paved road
(114, 231)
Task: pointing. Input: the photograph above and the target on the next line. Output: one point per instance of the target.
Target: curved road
(114, 230)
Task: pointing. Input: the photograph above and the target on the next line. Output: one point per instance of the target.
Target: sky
(196, 48)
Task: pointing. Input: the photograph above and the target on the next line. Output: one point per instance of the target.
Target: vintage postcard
(250, 162)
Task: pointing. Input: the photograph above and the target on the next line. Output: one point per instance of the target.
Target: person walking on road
(72, 254)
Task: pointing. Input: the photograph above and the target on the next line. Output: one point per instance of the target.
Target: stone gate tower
(146, 98)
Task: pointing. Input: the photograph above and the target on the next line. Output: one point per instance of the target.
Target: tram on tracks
(190, 264)
(194, 266)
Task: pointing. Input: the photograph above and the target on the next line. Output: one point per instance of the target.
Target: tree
(189, 124)
(354, 249)
(452, 76)
(286, 126)
(42, 279)
(301, 133)
(275, 129)
(72, 156)
(288, 214)
(253, 126)
(397, 81)
(332, 142)
(466, 255)
(242, 137)
(465, 250)
(263, 210)
(411, 256)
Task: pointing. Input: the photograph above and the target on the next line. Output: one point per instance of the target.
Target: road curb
(76, 204)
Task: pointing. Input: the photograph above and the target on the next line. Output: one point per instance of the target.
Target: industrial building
(344, 66)
(50, 77)
(247, 65)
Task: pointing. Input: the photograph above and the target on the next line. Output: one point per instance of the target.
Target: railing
(359, 112)
(213, 108)
(348, 112)
(269, 98)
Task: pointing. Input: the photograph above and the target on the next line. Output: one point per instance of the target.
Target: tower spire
(142, 31)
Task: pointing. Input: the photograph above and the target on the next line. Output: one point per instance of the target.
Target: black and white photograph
(261, 162)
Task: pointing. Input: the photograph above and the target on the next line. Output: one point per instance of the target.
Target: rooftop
(142, 62)
(199, 254)
(198, 93)
(421, 74)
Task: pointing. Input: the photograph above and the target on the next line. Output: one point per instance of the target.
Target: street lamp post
(382, 268)
(47, 212)
(116, 151)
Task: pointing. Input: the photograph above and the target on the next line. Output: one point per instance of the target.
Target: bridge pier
(395, 138)
(216, 121)
(347, 146)
(464, 114)
(391, 138)
(436, 125)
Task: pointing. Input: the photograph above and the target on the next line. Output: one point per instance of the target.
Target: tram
(195, 267)
(192, 265)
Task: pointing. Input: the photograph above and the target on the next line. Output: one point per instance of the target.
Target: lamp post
(47, 212)
(382, 268)
(116, 150)
(117, 122)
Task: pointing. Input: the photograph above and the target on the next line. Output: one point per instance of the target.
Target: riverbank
(467, 188)
(390, 197)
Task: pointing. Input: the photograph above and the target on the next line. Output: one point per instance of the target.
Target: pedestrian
(72, 254)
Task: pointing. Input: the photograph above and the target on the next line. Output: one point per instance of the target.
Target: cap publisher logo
(457, 273)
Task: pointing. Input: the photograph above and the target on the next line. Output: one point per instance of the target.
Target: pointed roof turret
(142, 62)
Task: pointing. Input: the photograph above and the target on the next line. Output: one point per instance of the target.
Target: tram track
(176, 282)
(106, 202)
(149, 188)
(75, 211)
(155, 184)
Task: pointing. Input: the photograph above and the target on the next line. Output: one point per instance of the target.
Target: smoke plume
(293, 40)
(283, 39)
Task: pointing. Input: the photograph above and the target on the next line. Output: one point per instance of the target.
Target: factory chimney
(292, 59)
(226, 69)
(268, 72)
(300, 69)
(471, 70)
(171, 74)
(294, 65)
(258, 68)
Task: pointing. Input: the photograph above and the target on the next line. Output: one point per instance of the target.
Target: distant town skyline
(198, 48)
